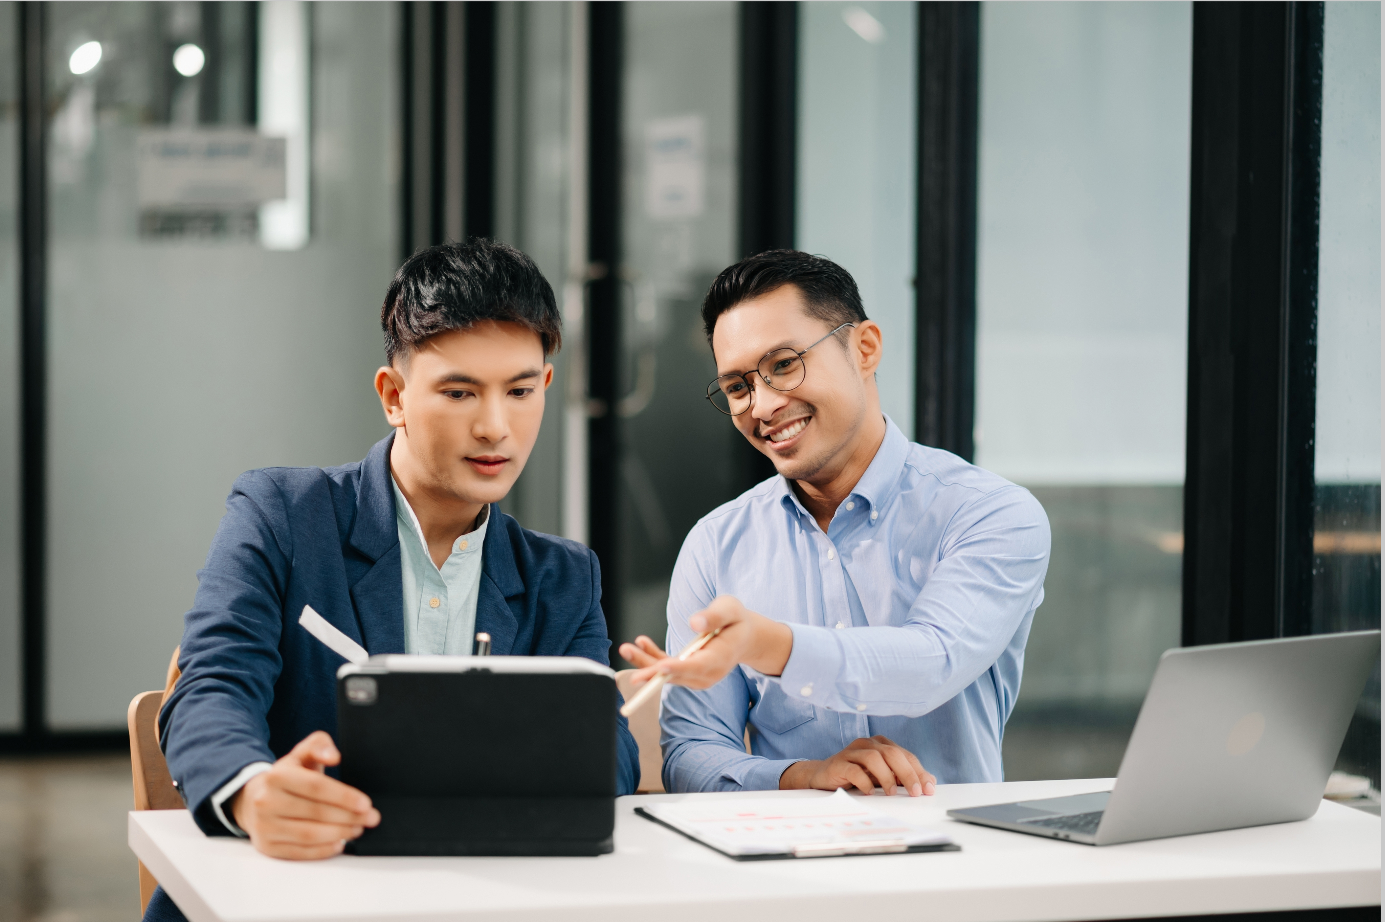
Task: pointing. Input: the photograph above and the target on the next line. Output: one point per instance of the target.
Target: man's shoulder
(544, 547)
(950, 470)
(931, 474)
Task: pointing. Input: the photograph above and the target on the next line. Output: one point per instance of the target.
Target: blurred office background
(201, 205)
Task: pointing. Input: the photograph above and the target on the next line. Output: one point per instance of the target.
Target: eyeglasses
(781, 369)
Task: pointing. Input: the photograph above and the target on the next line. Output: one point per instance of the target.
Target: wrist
(795, 777)
(773, 642)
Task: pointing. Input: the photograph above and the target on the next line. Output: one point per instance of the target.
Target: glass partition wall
(1346, 540)
(1082, 255)
(10, 645)
(206, 314)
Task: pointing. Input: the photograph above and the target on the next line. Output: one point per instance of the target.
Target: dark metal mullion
(945, 261)
(768, 126)
(33, 364)
(479, 114)
(1248, 500)
(606, 59)
(768, 165)
(436, 17)
(1299, 318)
(407, 18)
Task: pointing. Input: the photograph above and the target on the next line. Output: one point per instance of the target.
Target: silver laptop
(1229, 735)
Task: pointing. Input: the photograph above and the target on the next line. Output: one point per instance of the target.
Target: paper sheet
(772, 826)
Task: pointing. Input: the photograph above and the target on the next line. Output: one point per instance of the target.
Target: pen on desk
(651, 688)
(483, 644)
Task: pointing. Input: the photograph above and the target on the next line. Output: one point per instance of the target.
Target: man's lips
(487, 464)
(786, 434)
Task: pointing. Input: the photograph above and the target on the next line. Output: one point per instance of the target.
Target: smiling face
(812, 432)
(466, 405)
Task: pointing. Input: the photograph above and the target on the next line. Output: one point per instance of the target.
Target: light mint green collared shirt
(439, 604)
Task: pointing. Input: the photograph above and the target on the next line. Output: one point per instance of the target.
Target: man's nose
(765, 401)
(491, 424)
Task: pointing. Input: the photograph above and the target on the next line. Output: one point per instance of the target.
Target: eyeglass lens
(782, 370)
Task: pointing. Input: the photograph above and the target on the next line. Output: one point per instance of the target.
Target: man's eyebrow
(786, 344)
(457, 377)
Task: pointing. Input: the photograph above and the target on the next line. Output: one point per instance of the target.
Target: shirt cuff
(765, 773)
(814, 664)
(224, 793)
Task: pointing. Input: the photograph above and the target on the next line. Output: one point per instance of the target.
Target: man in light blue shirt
(873, 602)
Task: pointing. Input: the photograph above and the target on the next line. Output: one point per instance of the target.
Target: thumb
(316, 751)
(724, 611)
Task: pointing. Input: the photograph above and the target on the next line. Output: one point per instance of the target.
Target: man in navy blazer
(386, 550)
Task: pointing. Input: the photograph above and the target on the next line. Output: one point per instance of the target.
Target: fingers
(927, 779)
(643, 652)
(725, 610)
(853, 775)
(314, 751)
(322, 791)
(873, 761)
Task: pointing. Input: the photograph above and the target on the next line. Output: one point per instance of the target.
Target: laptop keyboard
(1083, 823)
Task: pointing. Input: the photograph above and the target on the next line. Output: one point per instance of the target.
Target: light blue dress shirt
(909, 619)
(439, 603)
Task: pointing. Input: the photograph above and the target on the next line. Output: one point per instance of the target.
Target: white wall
(1348, 434)
(1082, 297)
(855, 196)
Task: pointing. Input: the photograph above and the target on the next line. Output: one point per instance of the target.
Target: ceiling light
(85, 58)
(864, 24)
(188, 60)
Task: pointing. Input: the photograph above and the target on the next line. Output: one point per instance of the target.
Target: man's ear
(389, 384)
(870, 348)
(547, 374)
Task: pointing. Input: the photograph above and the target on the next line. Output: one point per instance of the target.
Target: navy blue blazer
(255, 683)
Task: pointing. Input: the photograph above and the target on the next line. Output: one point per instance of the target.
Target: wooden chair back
(644, 727)
(153, 786)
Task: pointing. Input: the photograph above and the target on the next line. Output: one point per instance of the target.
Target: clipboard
(873, 832)
(441, 744)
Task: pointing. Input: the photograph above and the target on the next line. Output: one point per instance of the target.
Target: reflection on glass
(1081, 349)
(678, 230)
(1346, 541)
(855, 198)
(181, 352)
(531, 202)
(10, 713)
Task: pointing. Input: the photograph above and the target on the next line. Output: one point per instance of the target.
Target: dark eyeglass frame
(714, 387)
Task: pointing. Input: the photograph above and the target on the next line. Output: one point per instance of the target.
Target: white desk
(1331, 860)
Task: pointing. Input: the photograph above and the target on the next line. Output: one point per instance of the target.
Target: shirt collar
(405, 513)
(879, 484)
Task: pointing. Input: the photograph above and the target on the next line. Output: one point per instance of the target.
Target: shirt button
(874, 515)
(806, 691)
(831, 554)
(461, 545)
(860, 707)
(840, 625)
(850, 506)
(434, 602)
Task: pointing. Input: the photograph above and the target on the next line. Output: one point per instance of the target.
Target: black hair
(455, 286)
(829, 291)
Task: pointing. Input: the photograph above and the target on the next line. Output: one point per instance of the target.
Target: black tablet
(481, 755)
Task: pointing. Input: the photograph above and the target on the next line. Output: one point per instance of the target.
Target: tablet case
(481, 755)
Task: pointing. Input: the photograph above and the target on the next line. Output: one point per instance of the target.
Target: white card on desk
(837, 824)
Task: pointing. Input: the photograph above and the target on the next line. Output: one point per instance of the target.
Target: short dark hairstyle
(455, 286)
(829, 291)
